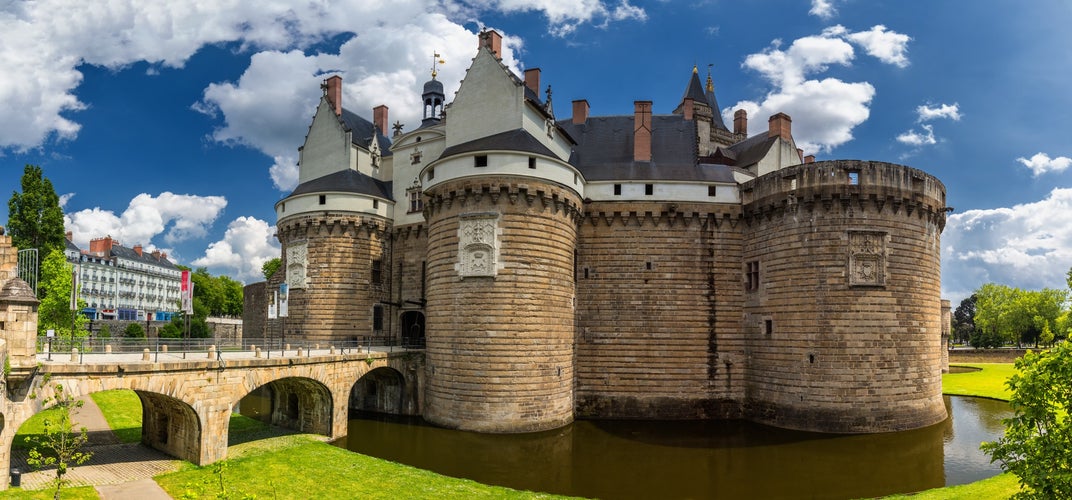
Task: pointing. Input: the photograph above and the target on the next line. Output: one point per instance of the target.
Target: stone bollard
(257, 353)
(253, 348)
(163, 348)
(107, 348)
(211, 351)
(145, 354)
(74, 354)
(316, 346)
(331, 350)
(287, 347)
(299, 351)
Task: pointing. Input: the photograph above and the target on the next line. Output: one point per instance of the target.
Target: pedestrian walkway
(118, 470)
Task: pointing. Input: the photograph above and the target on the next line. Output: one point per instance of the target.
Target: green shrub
(134, 331)
(104, 332)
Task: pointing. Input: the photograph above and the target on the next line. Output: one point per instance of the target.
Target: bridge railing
(223, 348)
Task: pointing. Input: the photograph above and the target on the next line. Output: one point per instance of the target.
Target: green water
(709, 460)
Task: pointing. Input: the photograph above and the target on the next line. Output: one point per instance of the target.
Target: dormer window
(480, 161)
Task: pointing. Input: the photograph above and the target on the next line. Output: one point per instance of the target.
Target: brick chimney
(641, 130)
(333, 89)
(137, 250)
(379, 118)
(740, 122)
(687, 109)
(70, 236)
(809, 159)
(532, 80)
(580, 111)
(101, 246)
(781, 125)
(492, 40)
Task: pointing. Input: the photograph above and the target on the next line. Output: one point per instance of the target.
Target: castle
(640, 266)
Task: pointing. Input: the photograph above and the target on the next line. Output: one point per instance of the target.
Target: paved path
(118, 470)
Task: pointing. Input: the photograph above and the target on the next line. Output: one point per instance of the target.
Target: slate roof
(513, 140)
(604, 151)
(146, 257)
(752, 149)
(71, 246)
(363, 130)
(345, 181)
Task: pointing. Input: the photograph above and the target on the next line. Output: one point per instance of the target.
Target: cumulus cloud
(178, 217)
(826, 110)
(64, 198)
(917, 139)
(248, 243)
(823, 9)
(1027, 246)
(1041, 163)
(889, 47)
(926, 112)
(46, 41)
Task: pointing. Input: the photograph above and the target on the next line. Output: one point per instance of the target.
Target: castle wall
(333, 299)
(409, 268)
(500, 307)
(844, 318)
(658, 311)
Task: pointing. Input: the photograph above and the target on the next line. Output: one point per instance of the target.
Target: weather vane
(436, 60)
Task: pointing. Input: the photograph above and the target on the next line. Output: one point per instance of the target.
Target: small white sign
(50, 333)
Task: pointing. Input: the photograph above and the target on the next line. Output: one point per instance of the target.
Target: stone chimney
(781, 125)
(137, 250)
(532, 80)
(379, 118)
(492, 40)
(740, 122)
(641, 130)
(580, 111)
(687, 109)
(333, 89)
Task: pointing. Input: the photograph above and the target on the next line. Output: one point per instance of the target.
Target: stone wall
(500, 328)
(409, 271)
(255, 311)
(658, 311)
(844, 318)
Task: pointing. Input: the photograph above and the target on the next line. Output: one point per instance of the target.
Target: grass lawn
(122, 410)
(80, 493)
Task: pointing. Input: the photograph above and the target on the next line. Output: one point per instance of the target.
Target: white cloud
(927, 112)
(45, 41)
(64, 198)
(888, 46)
(917, 139)
(826, 110)
(823, 9)
(1041, 163)
(179, 217)
(1027, 246)
(245, 247)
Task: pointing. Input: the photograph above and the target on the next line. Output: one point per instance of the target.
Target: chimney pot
(781, 125)
(379, 118)
(333, 87)
(580, 111)
(492, 40)
(641, 130)
(532, 80)
(740, 122)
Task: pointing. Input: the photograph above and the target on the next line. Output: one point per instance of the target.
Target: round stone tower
(500, 310)
(842, 303)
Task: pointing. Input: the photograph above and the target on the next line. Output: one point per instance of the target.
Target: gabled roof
(604, 151)
(512, 140)
(362, 132)
(752, 149)
(345, 181)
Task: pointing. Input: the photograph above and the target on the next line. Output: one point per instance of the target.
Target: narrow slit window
(532, 162)
(323, 199)
(480, 161)
(617, 189)
(649, 189)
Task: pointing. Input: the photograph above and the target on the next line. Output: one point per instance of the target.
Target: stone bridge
(187, 404)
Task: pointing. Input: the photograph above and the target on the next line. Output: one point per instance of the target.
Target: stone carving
(867, 258)
(478, 245)
(297, 256)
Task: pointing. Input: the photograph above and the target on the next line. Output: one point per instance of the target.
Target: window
(377, 318)
(415, 202)
(480, 161)
(768, 326)
(752, 276)
(617, 189)
(712, 191)
(323, 199)
(649, 189)
(532, 162)
(854, 178)
(415, 158)
(377, 272)
(375, 203)
(431, 173)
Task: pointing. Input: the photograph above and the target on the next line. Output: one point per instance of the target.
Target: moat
(716, 460)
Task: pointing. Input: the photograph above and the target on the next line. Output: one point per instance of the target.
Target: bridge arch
(381, 390)
(293, 402)
(170, 425)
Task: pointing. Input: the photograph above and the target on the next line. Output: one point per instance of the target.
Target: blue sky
(175, 125)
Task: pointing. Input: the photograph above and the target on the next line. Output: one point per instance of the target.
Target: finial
(436, 60)
(710, 83)
(695, 69)
(398, 127)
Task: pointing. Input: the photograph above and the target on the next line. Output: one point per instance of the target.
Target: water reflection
(634, 459)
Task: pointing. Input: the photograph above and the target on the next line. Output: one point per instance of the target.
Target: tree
(54, 312)
(34, 218)
(272, 265)
(964, 319)
(134, 331)
(171, 331)
(1037, 446)
(60, 444)
(1015, 315)
(104, 332)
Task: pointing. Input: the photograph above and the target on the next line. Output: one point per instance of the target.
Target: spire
(716, 115)
(710, 84)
